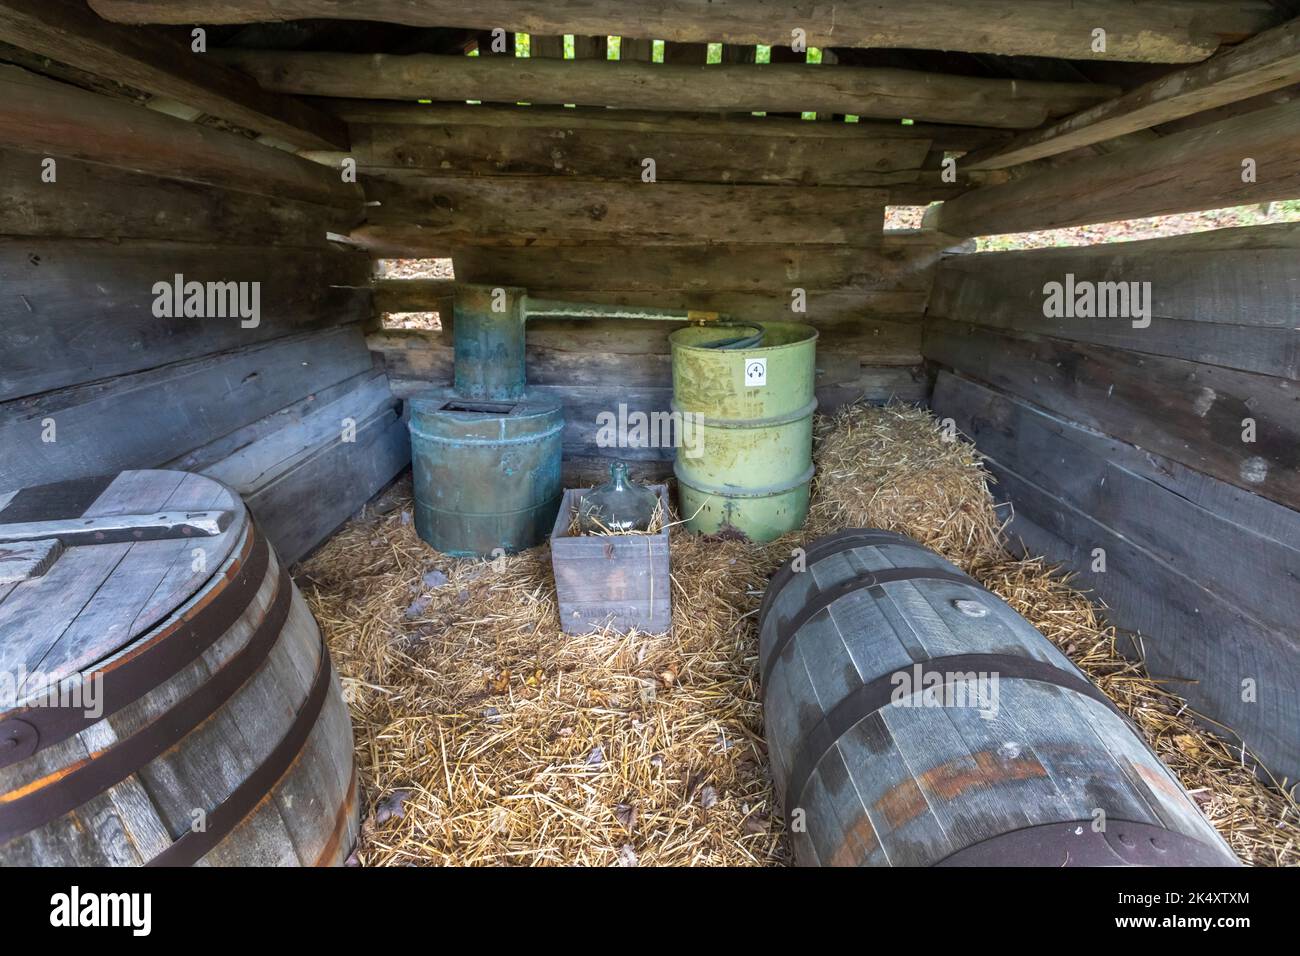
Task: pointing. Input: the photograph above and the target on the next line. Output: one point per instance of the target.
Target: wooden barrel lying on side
(914, 719)
(165, 697)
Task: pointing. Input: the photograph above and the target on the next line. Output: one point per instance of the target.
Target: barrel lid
(776, 335)
(446, 401)
(442, 414)
(96, 598)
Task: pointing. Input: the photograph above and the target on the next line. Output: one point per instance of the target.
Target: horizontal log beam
(514, 211)
(416, 295)
(413, 354)
(42, 116)
(93, 201)
(156, 63)
(1164, 31)
(856, 309)
(407, 141)
(874, 340)
(789, 87)
(657, 122)
(1268, 62)
(773, 268)
(1198, 169)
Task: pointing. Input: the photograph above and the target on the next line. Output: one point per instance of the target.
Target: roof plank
(1155, 31)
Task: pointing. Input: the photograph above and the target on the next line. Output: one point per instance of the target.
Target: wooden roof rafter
(1168, 31)
(159, 64)
(1267, 62)
(877, 93)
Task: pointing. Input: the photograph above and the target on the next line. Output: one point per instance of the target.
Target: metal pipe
(556, 309)
(488, 334)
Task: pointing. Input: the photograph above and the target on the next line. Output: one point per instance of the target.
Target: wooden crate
(620, 581)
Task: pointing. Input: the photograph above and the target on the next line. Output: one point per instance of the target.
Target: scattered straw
(484, 735)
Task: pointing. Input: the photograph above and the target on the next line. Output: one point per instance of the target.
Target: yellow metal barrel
(745, 462)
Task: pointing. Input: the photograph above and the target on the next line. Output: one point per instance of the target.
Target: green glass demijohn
(617, 505)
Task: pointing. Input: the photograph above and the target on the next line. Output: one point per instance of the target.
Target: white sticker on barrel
(755, 372)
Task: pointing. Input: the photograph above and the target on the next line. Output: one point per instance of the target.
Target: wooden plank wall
(1133, 440)
(93, 380)
(743, 211)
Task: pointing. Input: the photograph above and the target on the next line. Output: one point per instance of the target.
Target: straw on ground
(486, 736)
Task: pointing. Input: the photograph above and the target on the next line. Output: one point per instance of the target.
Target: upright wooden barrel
(914, 719)
(165, 702)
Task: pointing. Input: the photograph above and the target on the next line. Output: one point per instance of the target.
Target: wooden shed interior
(685, 154)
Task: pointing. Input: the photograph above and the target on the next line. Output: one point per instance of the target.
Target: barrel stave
(831, 571)
(316, 785)
(214, 758)
(241, 736)
(892, 816)
(836, 832)
(93, 836)
(1171, 806)
(1088, 777)
(978, 787)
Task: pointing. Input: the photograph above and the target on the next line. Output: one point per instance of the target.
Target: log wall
(1170, 451)
(94, 380)
(743, 215)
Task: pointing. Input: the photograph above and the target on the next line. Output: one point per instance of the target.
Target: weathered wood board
(146, 418)
(1266, 62)
(874, 141)
(214, 451)
(617, 353)
(820, 308)
(618, 581)
(263, 460)
(1243, 548)
(1204, 647)
(626, 351)
(1195, 414)
(325, 485)
(1223, 298)
(164, 65)
(108, 593)
(78, 311)
(27, 559)
(492, 141)
(899, 264)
